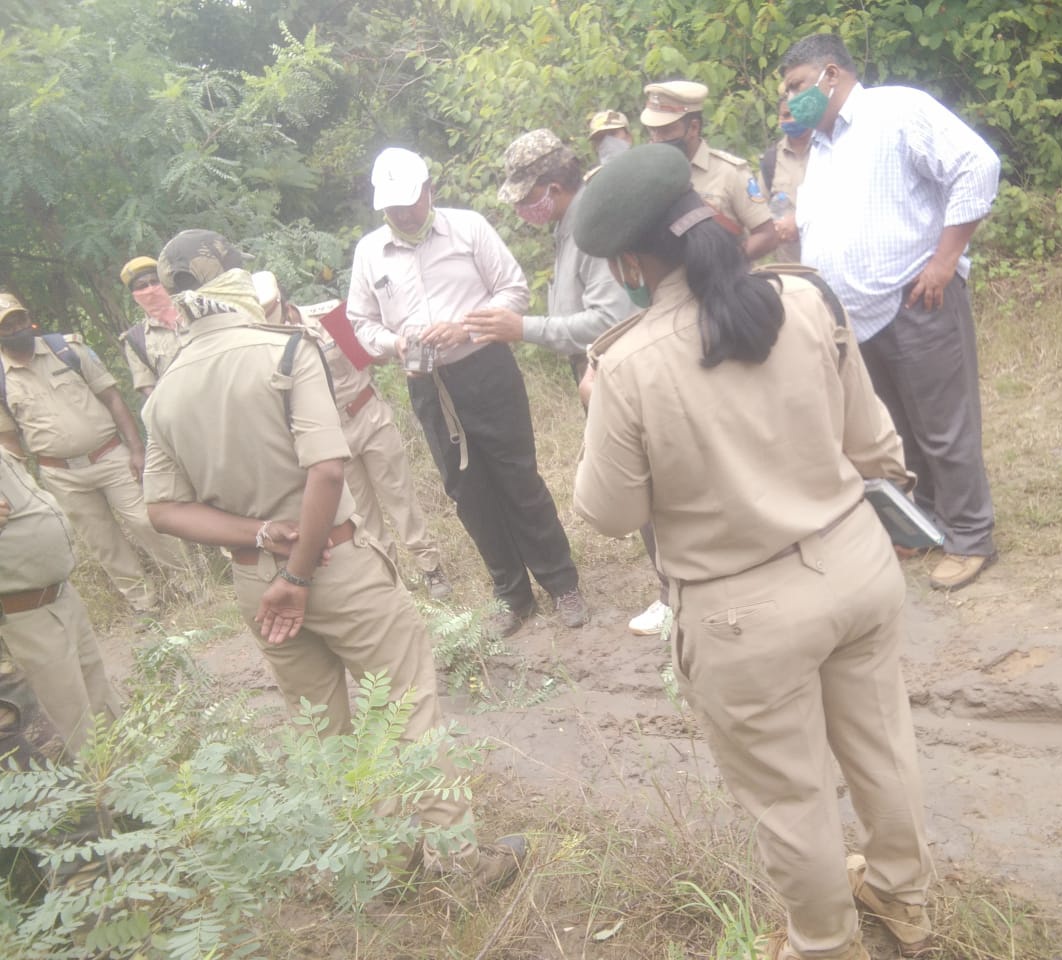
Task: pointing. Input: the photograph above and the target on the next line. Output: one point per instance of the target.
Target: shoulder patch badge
(754, 191)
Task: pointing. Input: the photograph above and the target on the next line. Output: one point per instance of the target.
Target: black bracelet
(285, 574)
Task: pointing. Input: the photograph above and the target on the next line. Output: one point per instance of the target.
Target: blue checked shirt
(899, 168)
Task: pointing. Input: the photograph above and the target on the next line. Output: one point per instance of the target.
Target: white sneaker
(650, 621)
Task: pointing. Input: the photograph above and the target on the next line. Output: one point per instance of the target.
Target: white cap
(267, 290)
(397, 178)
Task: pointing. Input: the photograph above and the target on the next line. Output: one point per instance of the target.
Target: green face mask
(413, 239)
(640, 296)
(808, 106)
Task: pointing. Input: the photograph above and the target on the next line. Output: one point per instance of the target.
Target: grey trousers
(924, 368)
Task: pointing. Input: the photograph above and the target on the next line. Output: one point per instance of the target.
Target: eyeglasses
(142, 283)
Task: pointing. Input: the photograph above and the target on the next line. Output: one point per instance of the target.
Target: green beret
(627, 196)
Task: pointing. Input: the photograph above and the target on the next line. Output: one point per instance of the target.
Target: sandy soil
(984, 669)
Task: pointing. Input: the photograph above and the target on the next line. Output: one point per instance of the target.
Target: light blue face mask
(808, 106)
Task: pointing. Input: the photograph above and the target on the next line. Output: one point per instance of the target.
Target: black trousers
(501, 499)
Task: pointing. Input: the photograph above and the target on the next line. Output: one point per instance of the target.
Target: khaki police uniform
(58, 416)
(728, 184)
(378, 470)
(43, 623)
(789, 169)
(787, 595)
(161, 344)
(225, 392)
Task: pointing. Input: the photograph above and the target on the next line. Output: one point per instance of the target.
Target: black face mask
(21, 342)
(679, 142)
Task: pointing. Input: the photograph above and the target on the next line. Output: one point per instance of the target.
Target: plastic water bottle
(780, 205)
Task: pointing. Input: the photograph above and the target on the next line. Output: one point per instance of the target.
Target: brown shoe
(956, 571)
(437, 584)
(500, 863)
(572, 608)
(496, 866)
(908, 923)
(507, 621)
(775, 946)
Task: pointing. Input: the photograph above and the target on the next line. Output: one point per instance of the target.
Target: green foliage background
(124, 121)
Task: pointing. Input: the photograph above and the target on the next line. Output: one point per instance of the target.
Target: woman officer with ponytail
(736, 414)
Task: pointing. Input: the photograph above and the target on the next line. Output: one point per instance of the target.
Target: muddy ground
(984, 670)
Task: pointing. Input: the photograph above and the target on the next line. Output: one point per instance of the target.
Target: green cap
(628, 195)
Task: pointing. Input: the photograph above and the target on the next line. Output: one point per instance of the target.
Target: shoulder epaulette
(728, 157)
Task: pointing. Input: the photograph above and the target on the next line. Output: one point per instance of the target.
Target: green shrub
(181, 824)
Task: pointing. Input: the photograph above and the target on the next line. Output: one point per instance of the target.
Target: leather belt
(75, 462)
(358, 402)
(23, 600)
(247, 556)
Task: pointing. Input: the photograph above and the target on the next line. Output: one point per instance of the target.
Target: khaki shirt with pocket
(54, 408)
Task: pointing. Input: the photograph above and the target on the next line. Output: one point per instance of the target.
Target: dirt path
(984, 670)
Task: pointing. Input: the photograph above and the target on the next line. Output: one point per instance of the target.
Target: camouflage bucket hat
(194, 257)
(526, 159)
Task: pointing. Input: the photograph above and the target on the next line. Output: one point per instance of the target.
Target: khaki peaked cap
(667, 102)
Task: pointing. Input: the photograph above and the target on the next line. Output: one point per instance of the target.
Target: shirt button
(819, 565)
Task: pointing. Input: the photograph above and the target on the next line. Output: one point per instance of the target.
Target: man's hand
(5, 512)
(280, 537)
(444, 335)
(786, 228)
(281, 611)
(494, 325)
(930, 283)
(136, 464)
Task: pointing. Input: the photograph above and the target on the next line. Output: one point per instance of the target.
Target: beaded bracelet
(285, 574)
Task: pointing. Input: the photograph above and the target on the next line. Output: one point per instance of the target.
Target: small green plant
(739, 929)
(180, 824)
(463, 646)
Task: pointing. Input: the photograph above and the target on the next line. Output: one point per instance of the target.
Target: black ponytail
(740, 313)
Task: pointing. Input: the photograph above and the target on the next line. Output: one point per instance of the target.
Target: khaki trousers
(785, 664)
(91, 497)
(359, 619)
(378, 475)
(55, 648)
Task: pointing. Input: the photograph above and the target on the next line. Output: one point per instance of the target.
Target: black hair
(819, 49)
(565, 170)
(740, 313)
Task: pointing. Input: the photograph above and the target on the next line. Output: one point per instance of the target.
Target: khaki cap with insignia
(605, 120)
(667, 102)
(137, 266)
(9, 304)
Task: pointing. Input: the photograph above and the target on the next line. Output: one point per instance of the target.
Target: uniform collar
(702, 157)
(39, 346)
(213, 322)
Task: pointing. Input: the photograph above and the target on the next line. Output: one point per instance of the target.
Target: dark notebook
(906, 524)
